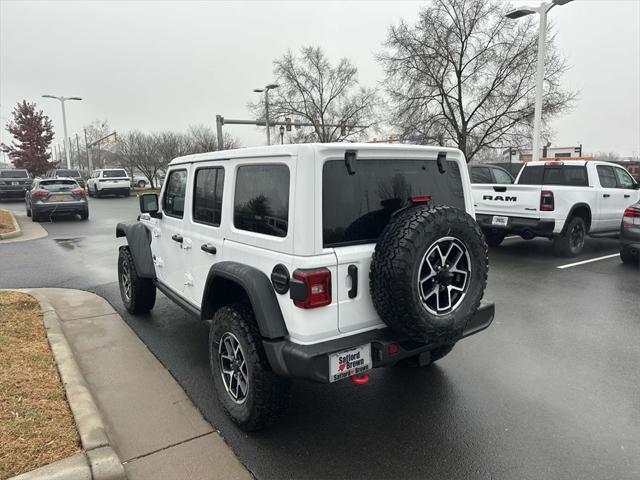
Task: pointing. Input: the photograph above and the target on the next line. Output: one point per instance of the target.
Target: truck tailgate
(507, 200)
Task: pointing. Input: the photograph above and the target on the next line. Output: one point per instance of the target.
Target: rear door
(202, 235)
(169, 255)
(355, 210)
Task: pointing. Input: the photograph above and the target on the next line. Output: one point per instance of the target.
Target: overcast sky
(154, 65)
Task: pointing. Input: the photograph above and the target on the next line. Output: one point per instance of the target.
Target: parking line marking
(588, 261)
(511, 236)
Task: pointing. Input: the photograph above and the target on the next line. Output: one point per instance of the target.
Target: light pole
(542, 10)
(266, 106)
(281, 134)
(64, 122)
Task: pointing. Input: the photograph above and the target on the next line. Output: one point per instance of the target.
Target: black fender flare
(222, 285)
(139, 240)
(573, 209)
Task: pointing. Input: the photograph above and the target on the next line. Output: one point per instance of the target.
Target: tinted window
(480, 175)
(261, 201)
(501, 176)
(356, 208)
(68, 173)
(14, 174)
(173, 200)
(575, 175)
(606, 176)
(113, 173)
(57, 185)
(207, 195)
(624, 179)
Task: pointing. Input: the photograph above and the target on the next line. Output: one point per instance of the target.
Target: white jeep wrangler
(315, 261)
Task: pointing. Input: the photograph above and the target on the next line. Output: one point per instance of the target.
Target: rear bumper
(519, 226)
(14, 192)
(311, 362)
(66, 207)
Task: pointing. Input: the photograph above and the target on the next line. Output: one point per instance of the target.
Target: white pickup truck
(562, 201)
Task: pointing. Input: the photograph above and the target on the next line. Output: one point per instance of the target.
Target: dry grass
(36, 425)
(6, 224)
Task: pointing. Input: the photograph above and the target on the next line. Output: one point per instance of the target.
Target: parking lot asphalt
(550, 390)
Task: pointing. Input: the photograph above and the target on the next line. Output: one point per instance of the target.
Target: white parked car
(316, 261)
(563, 201)
(109, 181)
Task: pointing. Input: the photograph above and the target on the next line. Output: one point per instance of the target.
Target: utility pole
(86, 147)
(78, 149)
(266, 89)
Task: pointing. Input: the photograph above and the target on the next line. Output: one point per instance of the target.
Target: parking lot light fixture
(67, 145)
(266, 89)
(542, 10)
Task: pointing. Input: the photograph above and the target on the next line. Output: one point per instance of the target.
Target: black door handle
(606, 195)
(353, 274)
(626, 195)
(176, 238)
(207, 247)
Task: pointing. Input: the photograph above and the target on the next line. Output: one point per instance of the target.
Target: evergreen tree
(33, 133)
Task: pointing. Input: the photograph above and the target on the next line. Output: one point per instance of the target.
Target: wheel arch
(139, 240)
(582, 210)
(230, 282)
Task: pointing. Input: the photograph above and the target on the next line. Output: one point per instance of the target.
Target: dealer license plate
(500, 221)
(15, 183)
(349, 362)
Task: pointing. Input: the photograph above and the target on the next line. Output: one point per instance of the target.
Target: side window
(173, 199)
(606, 176)
(207, 195)
(480, 175)
(501, 176)
(624, 179)
(261, 202)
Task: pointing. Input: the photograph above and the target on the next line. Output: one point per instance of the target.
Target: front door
(170, 256)
(202, 233)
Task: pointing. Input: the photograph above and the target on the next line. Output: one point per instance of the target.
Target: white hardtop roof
(580, 163)
(293, 149)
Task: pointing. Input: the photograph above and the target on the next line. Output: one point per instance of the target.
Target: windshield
(356, 208)
(14, 174)
(68, 173)
(114, 173)
(58, 185)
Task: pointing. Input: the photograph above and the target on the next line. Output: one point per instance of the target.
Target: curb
(98, 460)
(17, 231)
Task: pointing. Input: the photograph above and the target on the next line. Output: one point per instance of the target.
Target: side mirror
(636, 186)
(149, 204)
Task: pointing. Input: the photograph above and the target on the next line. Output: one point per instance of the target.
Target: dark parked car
(14, 183)
(66, 173)
(51, 196)
(490, 174)
(630, 235)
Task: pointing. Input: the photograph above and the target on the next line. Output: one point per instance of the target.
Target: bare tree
(314, 91)
(606, 156)
(203, 139)
(464, 75)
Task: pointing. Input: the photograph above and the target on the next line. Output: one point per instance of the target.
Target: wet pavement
(550, 390)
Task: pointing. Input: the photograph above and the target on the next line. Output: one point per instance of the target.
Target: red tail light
(311, 288)
(631, 217)
(78, 192)
(421, 199)
(38, 192)
(546, 201)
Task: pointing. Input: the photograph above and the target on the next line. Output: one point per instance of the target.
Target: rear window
(113, 173)
(356, 208)
(569, 175)
(14, 174)
(68, 173)
(58, 185)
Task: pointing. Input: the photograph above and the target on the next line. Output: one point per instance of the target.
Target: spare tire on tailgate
(429, 271)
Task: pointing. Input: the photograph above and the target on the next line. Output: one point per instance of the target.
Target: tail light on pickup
(547, 203)
(631, 217)
(311, 288)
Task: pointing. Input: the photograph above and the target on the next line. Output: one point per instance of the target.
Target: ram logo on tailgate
(500, 197)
